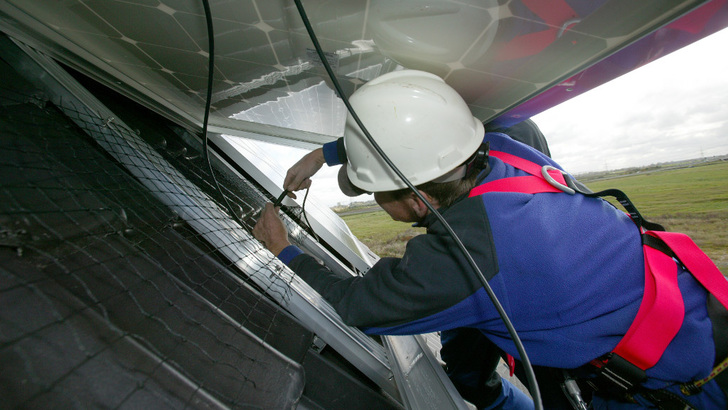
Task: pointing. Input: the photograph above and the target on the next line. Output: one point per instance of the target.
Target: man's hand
(299, 175)
(270, 230)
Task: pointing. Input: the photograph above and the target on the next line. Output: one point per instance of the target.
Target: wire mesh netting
(124, 281)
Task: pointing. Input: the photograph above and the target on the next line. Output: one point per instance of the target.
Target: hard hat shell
(422, 124)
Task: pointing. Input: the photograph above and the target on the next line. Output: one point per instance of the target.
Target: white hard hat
(422, 124)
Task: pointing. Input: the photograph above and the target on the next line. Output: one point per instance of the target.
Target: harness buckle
(545, 173)
(617, 377)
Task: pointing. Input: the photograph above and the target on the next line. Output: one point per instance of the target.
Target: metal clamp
(545, 172)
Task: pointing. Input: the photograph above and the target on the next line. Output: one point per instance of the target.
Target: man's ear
(419, 207)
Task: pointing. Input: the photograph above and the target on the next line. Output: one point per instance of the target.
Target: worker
(569, 270)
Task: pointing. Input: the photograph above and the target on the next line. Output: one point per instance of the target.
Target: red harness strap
(697, 262)
(662, 310)
(660, 314)
(526, 184)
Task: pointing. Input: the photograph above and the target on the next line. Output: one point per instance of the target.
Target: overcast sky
(671, 109)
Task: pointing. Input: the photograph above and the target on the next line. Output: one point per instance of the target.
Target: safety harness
(660, 315)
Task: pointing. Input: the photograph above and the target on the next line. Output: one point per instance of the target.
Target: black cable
(305, 216)
(208, 103)
(511, 330)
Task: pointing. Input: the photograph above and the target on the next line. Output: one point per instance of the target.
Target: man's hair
(445, 193)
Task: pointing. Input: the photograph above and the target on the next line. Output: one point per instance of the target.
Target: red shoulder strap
(533, 184)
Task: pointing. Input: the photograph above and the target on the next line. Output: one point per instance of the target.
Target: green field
(693, 200)
(380, 233)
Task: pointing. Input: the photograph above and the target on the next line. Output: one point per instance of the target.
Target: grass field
(691, 200)
(380, 233)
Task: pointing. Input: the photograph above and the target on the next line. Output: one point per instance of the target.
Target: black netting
(117, 284)
(99, 277)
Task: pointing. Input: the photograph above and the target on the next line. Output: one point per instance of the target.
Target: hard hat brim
(346, 186)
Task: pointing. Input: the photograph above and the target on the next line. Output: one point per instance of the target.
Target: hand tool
(280, 198)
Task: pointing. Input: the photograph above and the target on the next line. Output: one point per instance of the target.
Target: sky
(672, 109)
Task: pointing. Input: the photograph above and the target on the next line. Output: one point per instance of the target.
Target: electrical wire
(208, 104)
(305, 217)
(511, 330)
(210, 74)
